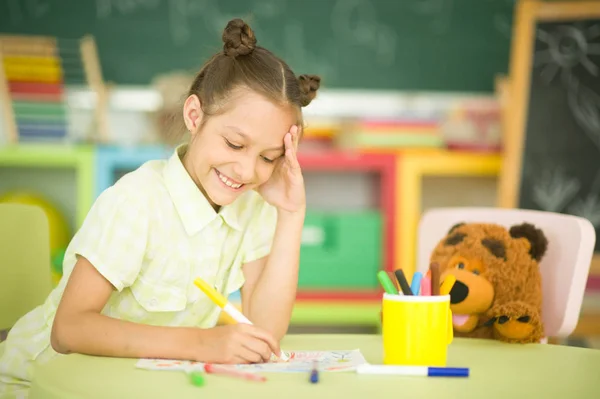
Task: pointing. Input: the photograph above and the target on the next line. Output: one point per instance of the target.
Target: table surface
(496, 370)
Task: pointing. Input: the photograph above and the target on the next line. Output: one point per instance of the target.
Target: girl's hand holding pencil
(243, 342)
(235, 344)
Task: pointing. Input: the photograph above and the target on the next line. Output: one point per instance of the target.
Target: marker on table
(197, 378)
(403, 282)
(386, 283)
(416, 283)
(413, 370)
(225, 370)
(314, 374)
(447, 284)
(222, 302)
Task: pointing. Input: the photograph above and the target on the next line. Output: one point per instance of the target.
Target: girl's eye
(460, 265)
(233, 146)
(267, 160)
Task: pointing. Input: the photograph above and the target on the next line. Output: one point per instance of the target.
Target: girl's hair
(244, 65)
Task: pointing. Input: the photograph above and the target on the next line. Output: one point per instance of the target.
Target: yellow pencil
(447, 284)
(224, 304)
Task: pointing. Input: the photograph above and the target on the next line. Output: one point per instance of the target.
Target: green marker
(386, 283)
(197, 378)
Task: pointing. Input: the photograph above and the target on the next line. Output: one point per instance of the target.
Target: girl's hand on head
(285, 189)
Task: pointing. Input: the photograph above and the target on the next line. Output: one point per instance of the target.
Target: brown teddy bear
(498, 288)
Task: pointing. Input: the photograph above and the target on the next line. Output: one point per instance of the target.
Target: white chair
(565, 266)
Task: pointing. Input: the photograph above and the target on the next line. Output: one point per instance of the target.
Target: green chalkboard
(447, 45)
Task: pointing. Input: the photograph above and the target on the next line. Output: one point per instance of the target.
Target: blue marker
(423, 371)
(314, 374)
(415, 286)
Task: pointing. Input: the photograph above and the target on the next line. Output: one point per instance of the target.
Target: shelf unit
(412, 167)
(79, 159)
(112, 159)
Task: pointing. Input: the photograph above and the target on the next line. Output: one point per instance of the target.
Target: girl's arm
(269, 291)
(80, 327)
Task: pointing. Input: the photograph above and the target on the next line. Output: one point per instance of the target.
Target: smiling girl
(228, 207)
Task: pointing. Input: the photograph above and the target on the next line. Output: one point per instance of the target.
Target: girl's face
(237, 150)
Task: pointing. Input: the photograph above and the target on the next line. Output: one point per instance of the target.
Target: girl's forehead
(254, 117)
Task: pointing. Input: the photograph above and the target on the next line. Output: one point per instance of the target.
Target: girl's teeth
(228, 182)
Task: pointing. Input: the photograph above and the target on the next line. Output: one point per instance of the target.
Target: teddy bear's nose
(459, 292)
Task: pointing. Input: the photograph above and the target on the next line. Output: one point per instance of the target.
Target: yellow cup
(416, 330)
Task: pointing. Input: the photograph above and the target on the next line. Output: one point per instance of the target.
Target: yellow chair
(25, 275)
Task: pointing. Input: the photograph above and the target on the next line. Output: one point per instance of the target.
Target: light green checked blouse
(150, 235)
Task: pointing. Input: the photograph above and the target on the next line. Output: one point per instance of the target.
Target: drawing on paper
(300, 361)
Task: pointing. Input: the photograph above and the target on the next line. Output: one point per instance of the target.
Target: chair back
(25, 275)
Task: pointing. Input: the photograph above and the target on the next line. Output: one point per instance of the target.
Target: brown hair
(243, 64)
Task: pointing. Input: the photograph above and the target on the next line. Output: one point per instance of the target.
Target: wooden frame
(93, 74)
(6, 105)
(411, 168)
(527, 14)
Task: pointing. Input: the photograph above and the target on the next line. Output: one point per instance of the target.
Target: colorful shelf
(111, 159)
(79, 158)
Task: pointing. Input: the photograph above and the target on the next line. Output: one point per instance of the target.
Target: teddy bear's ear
(535, 236)
(456, 226)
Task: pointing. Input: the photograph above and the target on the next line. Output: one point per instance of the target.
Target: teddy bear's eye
(460, 265)
(476, 272)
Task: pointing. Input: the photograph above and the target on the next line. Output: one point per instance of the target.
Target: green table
(497, 371)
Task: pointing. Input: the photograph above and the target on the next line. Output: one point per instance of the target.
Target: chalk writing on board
(585, 106)
(567, 47)
(554, 189)
(355, 21)
(439, 12)
(301, 58)
(589, 207)
(269, 8)
(18, 9)
(502, 22)
(106, 8)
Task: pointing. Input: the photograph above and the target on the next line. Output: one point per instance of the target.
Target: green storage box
(341, 250)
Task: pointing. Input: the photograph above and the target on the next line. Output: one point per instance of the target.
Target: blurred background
(419, 108)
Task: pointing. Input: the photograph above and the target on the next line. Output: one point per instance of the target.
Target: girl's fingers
(295, 135)
(290, 155)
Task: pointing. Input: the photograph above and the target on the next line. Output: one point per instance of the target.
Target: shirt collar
(192, 206)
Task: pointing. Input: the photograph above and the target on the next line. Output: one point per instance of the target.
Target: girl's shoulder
(140, 188)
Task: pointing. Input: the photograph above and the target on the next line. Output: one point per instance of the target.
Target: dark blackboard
(458, 45)
(561, 155)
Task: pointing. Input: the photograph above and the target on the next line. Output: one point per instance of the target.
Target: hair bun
(309, 84)
(238, 38)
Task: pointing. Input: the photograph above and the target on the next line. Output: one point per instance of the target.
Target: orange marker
(447, 284)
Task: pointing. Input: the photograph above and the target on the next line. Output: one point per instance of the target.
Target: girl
(228, 207)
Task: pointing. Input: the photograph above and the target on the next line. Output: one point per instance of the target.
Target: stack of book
(390, 134)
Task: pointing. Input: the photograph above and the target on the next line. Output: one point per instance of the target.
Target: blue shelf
(110, 159)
